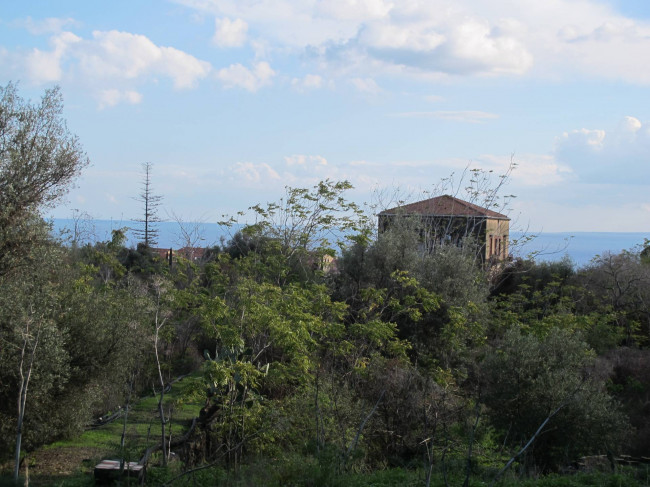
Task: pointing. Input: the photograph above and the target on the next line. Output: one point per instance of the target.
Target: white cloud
(45, 66)
(360, 10)
(304, 160)
(109, 60)
(50, 25)
(450, 37)
(230, 33)
(111, 97)
(479, 47)
(398, 37)
(319, 160)
(185, 70)
(531, 169)
(309, 82)
(366, 85)
(581, 139)
(250, 173)
(237, 75)
(628, 129)
(122, 55)
(620, 154)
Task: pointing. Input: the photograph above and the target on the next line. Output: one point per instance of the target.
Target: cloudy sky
(232, 100)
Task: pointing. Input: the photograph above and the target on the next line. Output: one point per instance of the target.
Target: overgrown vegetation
(389, 366)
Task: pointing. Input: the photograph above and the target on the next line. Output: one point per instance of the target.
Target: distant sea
(580, 247)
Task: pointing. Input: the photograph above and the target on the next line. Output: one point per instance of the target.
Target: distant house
(446, 220)
(193, 254)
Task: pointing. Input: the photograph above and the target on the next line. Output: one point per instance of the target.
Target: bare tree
(147, 233)
(189, 236)
(81, 229)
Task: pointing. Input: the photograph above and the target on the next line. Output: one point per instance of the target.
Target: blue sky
(232, 100)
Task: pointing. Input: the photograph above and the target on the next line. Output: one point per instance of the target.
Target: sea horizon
(579, 247)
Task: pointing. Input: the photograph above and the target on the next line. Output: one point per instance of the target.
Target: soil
(50, 465)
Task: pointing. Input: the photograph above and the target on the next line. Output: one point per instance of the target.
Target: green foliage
(619, 285)
(88, 344)
(539, 298)
(528, 378)
(28, 328)
(292, 236)
(39, 159)
(317, 375)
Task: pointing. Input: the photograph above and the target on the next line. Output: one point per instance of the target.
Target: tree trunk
(22, 396)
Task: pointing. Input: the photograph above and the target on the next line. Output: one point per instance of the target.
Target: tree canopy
(39, 161)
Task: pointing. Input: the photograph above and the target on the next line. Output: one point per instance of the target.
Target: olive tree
(39, 160)
(542, 388)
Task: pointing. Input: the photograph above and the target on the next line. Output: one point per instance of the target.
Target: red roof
(444, 206)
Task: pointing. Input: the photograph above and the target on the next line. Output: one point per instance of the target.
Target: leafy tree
(299, 230)
(619, 284)
(39, 160)
(629, 383)
(429, 297)
(34, 359)
(307, 219)
(67, 345)
(104, 258)
(527, 379)
(645, 252)
(534, 276)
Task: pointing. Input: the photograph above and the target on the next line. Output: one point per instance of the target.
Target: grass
(305, 471)
(70, 462)
(143, 425)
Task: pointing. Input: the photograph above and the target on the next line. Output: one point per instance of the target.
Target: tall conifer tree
(147, 232)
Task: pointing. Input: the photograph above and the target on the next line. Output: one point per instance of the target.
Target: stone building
(446, 220)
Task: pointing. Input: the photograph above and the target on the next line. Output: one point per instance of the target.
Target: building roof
(444, 206)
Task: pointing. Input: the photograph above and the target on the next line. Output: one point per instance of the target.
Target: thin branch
(532, 439)
(210, 465)
(353, 445)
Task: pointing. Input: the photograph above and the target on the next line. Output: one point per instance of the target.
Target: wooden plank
(107, 471)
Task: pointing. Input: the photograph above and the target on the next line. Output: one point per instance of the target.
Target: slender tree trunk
(468, 471)
(353, 445)
(159, 324)
(126, 419)
(428, 443)
(317, 407)
(22, 395)
(161, 410)
(530, 441)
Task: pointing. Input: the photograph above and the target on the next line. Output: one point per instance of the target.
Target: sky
(233, 100)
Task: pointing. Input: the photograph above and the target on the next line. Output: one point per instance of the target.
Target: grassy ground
(71, 462)
(305, 471)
